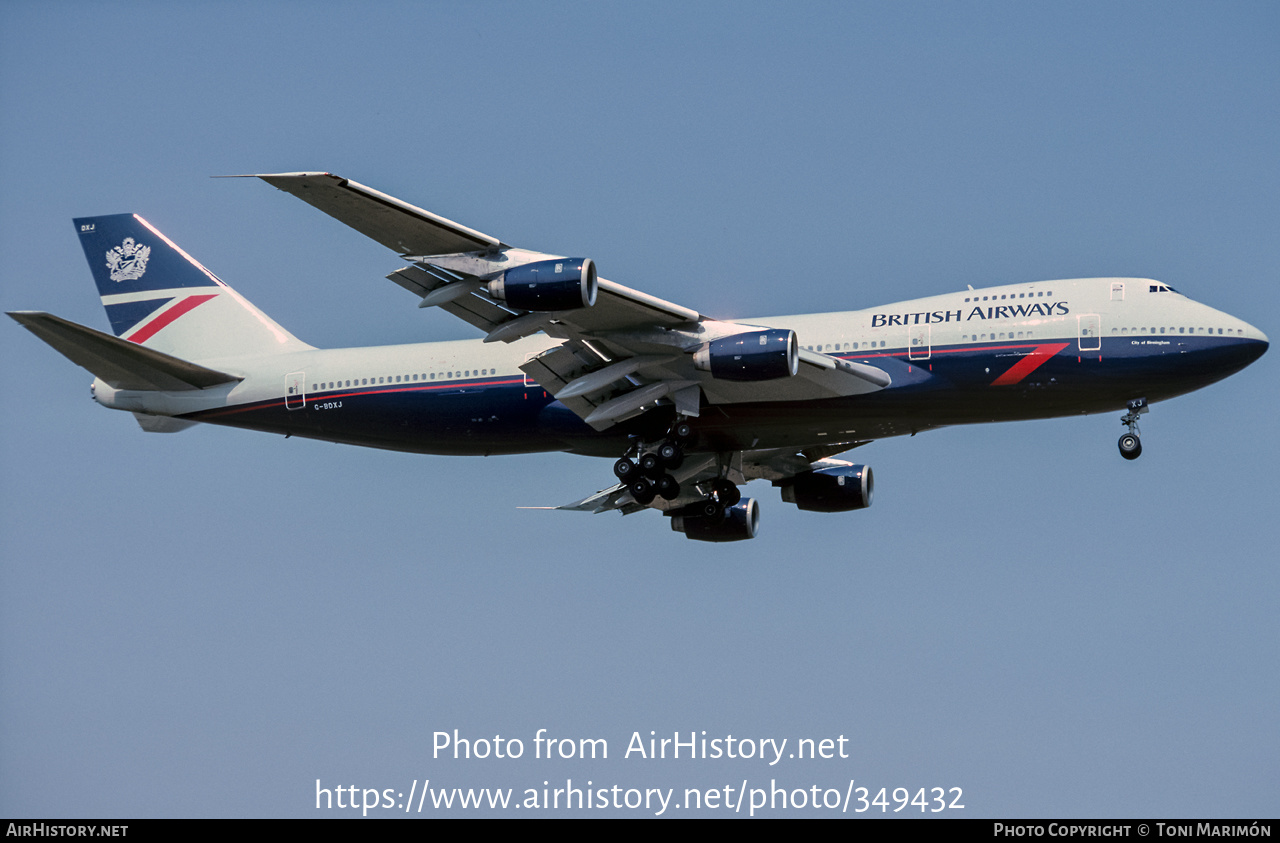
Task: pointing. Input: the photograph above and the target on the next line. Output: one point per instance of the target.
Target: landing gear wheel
(682, 430)
(624, 469)
(642, 490)
(671, 454)
(651, 465)
(712, 511)
(667, 487)
(1130, 444)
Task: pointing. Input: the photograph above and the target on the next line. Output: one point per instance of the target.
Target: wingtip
(24, 317)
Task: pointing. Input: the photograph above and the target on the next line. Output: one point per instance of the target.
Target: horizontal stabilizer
(122, 364)
(162, 424)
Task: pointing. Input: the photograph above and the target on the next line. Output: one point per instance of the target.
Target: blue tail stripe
(127, 257)
(125, 315)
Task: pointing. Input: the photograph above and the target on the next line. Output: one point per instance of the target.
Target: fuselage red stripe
(1028, 364)
(321, 397)
(150, 329)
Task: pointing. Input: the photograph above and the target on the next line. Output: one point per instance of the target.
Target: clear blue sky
(204, 624)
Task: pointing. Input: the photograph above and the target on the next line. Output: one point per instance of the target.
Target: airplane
(689, 407)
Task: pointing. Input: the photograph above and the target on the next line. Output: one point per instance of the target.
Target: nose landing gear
(1130, 443)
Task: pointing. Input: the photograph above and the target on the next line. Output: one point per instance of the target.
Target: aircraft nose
(1256, 345)
(1261, 339)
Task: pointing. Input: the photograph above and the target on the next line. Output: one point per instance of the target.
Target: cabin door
(919, 347)
(1090, 332)
(295, 390)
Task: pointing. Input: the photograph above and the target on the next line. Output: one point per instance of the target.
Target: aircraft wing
(619, 357)
(397, 225)
(777, 466)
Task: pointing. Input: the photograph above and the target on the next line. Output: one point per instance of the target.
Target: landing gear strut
(1130, 443)
(646, 471)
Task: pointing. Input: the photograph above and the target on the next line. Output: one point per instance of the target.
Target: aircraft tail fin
(119, 363)
(157, 295)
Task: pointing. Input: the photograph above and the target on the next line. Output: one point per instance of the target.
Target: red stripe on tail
(150, 329)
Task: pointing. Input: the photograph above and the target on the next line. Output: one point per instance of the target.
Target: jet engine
(838, 489)
(753, 356)
(739, 522)
(547, 286)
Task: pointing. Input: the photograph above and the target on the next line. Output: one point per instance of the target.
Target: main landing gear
(1130, 443)
(722, 514)
(647, 472)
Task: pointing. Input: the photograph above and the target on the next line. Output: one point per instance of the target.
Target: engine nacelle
(753, 356)
(839, 489)
(741, 521)
(547, 286)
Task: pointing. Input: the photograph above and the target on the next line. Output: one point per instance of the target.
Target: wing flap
(478, 310)
(809, 384)
(620, 308)
(617, 498)
(782, 463)
(876, 377)
(554, 368)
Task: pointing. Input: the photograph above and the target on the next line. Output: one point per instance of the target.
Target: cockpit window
(1161, 288)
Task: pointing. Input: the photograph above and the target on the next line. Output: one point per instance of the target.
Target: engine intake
(838, 489)
(752, 356)
(740, 522)
(547, 286)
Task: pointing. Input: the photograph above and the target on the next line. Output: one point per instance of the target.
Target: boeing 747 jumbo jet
(688, 406)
